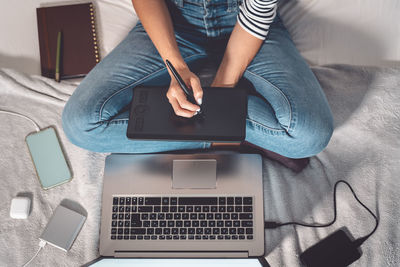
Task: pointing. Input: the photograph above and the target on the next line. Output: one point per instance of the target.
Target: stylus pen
(182, 84)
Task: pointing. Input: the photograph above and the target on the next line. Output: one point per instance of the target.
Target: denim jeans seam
(133, 84)
(284, 96)
(264, 126)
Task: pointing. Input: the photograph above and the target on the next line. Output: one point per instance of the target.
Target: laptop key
(157, 208)
(169, 237)
(226, 216)
(152, 201)
(221, 209)
(165, 201)
(174, 200)
(120, 216)
(115, 209)
(227, 237)
(183, 237)
(197, 208)
(150, 231)
(138, 231)
(224, 231)
(113, 237)
(203, 223)
(162, 237)
(163, 223)
(132, 237)
(146, 223)
(214, 208)
(113, 231)
(154, 223)
(238, 208)
(220, 223)
(128, 201)
(115, 201)
(205, 237)
(234, 216)
(241, 237)
(210, 216)
(249, 231)
(236, 223)
(247, 223)
(199, 231)
(207, 231)
(187, 223)
(140, 200)
(165, 209)
(128, 209)
(161, 216)
(168, 216)
(240, 231)
(120, 223)
(215, 231)
(229, 209)
(173, 209)
(191, 231)
(229, 201)
(134, 200)
(238, 200)
(183, 231)
(176, 237)
(220, 237)
(211, 223)
(191, 237)
(114, 216)
(202, 216)
(181, 208)
(153, 237)
(114, 224)
(126, 237)
(247, 200)
(175, 231)
(127, 224)
(122, 201)
(222, 200)
(136, 224)
(146, 237)
(158, 231)
(218, 216)
(198, 237)
(212, 237)
(145, 209)
(249, 237)
(185, 216)
(139, 237)
(228, 223)
(247, 209)
(179, 223)
(189, 208)
(246, 216)
(234, 237)
(119, 237)
(232, 231)
(195, 223)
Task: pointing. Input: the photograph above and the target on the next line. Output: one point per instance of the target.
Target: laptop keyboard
(182, 218)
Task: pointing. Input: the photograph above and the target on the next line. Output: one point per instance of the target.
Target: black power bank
(336, 250)
(223, 116)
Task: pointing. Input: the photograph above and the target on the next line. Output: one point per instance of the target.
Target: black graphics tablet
(223, 116)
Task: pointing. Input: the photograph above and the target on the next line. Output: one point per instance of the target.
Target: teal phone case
(51, 166)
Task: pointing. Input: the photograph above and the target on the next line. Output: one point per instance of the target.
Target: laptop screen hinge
(181, 254)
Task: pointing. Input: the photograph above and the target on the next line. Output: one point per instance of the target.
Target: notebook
(79, 45)
(223, 116)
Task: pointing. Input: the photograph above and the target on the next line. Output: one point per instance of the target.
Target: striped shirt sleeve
(255, 16)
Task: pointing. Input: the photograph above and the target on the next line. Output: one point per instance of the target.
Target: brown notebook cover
(79, 48)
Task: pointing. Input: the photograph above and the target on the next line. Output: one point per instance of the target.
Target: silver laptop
(182, 206)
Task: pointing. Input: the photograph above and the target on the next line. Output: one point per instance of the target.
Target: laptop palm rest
(194, 173)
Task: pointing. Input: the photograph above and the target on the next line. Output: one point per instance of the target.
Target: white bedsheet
(325, 31)
(364, 150)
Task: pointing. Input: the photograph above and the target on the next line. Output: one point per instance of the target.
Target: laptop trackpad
(194, 173)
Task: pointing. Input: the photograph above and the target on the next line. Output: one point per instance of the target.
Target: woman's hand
(177, 97)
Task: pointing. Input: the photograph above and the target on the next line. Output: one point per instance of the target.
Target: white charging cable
(42, 243)
(22, 116)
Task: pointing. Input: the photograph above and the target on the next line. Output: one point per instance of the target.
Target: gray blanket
(364, 150)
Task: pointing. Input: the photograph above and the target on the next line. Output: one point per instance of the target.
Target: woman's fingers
(180, 111)
(197, 90)
(183, 102)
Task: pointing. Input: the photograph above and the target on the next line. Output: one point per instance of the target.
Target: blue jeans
(289, 114)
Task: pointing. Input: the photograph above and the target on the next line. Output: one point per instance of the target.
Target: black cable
(357, 242)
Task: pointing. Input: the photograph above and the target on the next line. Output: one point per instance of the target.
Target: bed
(354, 50)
